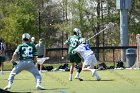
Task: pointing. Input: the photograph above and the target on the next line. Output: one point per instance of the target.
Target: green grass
(113, 81)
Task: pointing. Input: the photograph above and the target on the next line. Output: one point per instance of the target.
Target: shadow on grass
(57, 89)
(33, 90)
(4, 91)
(100, 80)
(17, 79)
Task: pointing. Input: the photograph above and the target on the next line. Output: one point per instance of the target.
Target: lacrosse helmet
(77, 31)
(33, 39)
(25, 36)
(82, 40)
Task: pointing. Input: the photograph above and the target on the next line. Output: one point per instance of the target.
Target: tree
(17, 17)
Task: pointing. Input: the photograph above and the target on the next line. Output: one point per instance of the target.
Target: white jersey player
(88, 55)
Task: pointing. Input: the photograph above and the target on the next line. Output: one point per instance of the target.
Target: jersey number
(87, 47)
(74, 42)
(27, 52)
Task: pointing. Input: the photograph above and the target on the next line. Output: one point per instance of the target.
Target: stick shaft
(97, 34)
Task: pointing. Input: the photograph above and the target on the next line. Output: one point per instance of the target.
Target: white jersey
(84, 50)
(87, 54)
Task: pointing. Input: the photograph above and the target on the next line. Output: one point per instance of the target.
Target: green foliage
(134, 18)
(19, 18)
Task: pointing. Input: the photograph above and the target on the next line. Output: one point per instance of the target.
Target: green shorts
(74, 58)
(2, 59)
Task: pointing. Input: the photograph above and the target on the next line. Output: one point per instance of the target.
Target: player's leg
(78, 61)
(71, 59)
(2, 64)
(71, 71)
(41, 66)
(36, 65)
(78, 70)
(91, 61)
(17, 69)
(1, 67)
(31, 68)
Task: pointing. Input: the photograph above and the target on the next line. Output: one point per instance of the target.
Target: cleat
(7, 87)
(80, 79)
(77, 77)
(40, 87)
(98, 79)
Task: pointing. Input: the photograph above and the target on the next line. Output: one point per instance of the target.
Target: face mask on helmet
(25, 36)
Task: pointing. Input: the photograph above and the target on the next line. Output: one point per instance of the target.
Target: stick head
(110, 25)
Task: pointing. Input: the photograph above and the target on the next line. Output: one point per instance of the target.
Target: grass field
(113, 81)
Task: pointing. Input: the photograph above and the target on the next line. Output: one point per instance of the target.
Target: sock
(79, 70)
(77, 74)
(37, 84)
(9, 83)
(70, 75)
(96, 75)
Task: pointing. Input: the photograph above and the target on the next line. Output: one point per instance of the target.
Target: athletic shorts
(90, 60)
(74, 58)
(2, 59)
(41, 56)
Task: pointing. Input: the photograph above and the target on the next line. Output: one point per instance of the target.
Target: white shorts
(90, 60)
(42, 60)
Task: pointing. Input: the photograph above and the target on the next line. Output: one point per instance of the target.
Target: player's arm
(14, 57)
(67, 41)
(35, 59)
(78, 49)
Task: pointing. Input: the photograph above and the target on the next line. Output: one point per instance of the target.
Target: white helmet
(33, 39)
(82, 40)
(78, 32)
(25, 36)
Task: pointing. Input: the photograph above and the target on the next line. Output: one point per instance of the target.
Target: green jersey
(26, 51)
(72, 42)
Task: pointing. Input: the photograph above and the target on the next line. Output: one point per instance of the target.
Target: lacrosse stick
(108, 26)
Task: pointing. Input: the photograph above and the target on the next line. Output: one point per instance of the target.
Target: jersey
(84, 50)
(40, 49)
(72, 42)
(26, 51)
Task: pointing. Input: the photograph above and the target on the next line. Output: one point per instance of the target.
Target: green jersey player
(26, 53)
(72, 42)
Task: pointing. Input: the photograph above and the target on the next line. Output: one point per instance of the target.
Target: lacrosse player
(89, 58)
(72, 42)
(2, 55)
(27, 55)
(41, 52)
